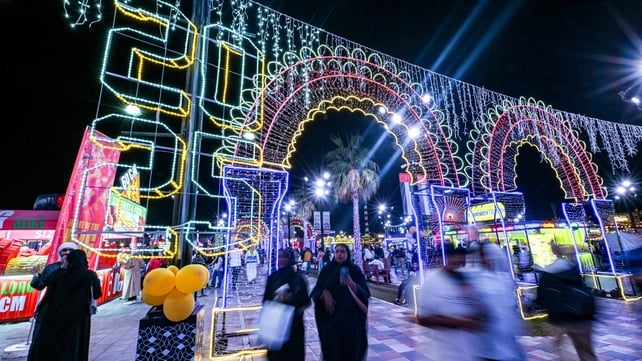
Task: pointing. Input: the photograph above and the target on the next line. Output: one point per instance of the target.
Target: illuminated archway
(499, 135)
(371, 86)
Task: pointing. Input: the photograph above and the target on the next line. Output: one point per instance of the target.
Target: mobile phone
(343, 273)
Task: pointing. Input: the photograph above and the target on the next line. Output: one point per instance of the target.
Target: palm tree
(355, 177)
(305, 205)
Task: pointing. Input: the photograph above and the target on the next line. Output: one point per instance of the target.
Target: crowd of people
(472, 304)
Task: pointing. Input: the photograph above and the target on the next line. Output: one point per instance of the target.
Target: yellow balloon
(192, 278)
(151, 299)
(178, 306)
(159, 282)
(173, 268)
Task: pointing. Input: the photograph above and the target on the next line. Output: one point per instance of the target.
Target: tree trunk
(356, 229)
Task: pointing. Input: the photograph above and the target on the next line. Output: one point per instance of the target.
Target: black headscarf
(348, 261)
(77, 260)
(291, 259)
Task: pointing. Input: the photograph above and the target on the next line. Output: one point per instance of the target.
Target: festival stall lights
(194, 230)
(620, 281)
(141, 252)
(227, 311)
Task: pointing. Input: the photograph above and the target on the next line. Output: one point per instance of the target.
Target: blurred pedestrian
(251, 263)
(219, 269)
(319, 259)
(402, 289)
(450, 306)
(340, 300)
(307, 260)
(64, 314)
(236, 262)
(495, 284)
(155, 262)
(197, 258)
(327, 256)
(287, 286)
(132, 281)
(559, 283)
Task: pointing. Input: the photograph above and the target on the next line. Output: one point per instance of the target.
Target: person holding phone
(64, 313)
(340, 298)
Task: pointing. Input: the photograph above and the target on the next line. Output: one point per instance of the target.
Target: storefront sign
(18, 300)
(12, 220)
(487, 212)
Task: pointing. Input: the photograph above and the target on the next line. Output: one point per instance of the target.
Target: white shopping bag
(275, 321)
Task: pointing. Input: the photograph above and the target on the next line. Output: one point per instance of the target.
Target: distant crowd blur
(472, 300)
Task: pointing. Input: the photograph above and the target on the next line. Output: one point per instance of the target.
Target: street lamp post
(626, 190)
(289, 206)
(385, 221)
(321, 191)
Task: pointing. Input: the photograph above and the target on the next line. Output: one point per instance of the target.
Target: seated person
(377, 261)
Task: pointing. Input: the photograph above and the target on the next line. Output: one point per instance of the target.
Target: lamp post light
(624, 189)
(627, 191)
(321, 190)
(385, 221)
(289, 206)
(221, 220)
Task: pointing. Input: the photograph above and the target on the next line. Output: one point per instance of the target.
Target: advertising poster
(125, 216)
(17, 299)
(541, 249)
(87, 195)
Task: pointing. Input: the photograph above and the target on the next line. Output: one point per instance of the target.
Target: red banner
(18, 300)
(95, 165)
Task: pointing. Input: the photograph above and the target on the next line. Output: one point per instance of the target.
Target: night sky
(573, 55)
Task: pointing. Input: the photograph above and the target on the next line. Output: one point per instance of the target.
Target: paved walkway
(393, 336)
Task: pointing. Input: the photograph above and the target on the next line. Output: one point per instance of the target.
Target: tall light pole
(385, 222)
(289, 206)
(627, 192)
(322, 189)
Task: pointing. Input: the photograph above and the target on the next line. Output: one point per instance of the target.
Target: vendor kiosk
(32, 237)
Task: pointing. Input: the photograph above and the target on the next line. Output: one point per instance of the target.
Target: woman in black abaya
(295, 294)
(341, 309)
(66, 320)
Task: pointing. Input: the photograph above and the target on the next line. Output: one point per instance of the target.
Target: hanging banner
(96, 167)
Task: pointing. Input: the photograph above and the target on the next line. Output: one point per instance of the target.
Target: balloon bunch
(173, 288)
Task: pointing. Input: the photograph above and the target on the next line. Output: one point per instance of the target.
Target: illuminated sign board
(487, 212)
(125, 215)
